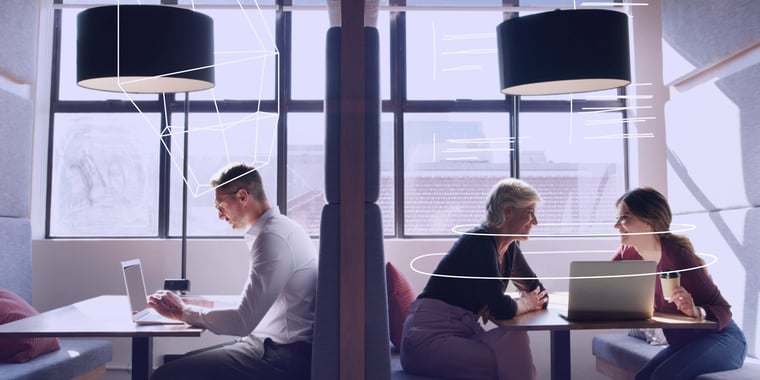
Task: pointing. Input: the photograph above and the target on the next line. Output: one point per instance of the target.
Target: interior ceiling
(410, 4)
(380, 3)
(459, 3)
(372, 6)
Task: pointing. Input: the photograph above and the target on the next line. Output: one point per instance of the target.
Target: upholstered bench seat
(397, 373)
(619, 356)
(80, 359)
(749, 371)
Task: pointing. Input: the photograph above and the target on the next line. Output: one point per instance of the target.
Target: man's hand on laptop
(531, 301)
(167, 304)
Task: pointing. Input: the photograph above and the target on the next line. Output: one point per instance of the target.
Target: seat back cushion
(20, 350)
(400, 297)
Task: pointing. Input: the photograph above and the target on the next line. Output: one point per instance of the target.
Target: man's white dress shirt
(278, 299)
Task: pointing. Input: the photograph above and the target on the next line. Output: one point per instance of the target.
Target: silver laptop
(611, 290)
(138, 297)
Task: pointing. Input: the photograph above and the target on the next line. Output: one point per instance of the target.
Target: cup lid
(670, 275)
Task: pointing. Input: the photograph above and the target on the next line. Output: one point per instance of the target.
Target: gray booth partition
(326, 354)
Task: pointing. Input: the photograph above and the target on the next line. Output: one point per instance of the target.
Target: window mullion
(165, 170)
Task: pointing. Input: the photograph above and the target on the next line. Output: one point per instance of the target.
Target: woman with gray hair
(442, 334)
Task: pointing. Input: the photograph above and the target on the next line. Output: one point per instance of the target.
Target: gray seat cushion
(750, 371)
(623, 351)
(397, 373)
(76, 357)
(631, 354)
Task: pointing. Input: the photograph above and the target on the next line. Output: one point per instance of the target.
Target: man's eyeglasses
(218, 204)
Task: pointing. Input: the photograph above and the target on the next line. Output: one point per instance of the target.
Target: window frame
(396, 105)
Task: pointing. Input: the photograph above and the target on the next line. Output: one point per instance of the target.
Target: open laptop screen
(611, 290)
(133, 278)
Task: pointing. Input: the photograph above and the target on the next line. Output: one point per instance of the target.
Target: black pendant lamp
(145, 49)
(148, 49)
(564, 51)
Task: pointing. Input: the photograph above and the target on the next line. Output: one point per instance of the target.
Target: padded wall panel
(371, 120)
(16, 257)
(743, 90)
(18, 32)
(728, 240)
(16, 154)
(713, 129)
(706, 31)
(326, 354)
(376, 336)
(715, 125)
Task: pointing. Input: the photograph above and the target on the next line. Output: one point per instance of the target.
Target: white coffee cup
(669, 281)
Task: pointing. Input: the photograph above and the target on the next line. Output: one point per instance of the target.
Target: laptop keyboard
(152, 316)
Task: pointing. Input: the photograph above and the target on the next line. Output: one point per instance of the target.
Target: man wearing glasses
(276, 310)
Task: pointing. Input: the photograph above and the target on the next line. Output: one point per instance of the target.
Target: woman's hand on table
(531, 301)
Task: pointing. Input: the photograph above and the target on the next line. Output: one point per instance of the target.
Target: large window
(447, 133)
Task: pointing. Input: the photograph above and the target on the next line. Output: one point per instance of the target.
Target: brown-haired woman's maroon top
(696, 281)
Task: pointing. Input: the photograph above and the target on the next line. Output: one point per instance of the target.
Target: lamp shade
(145, 49)
(564, 51)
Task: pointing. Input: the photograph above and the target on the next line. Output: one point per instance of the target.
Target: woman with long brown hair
(643, 220)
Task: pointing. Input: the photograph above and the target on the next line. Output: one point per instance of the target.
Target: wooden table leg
(142, 357)
(560, 354)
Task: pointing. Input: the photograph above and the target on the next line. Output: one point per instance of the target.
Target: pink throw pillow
(20, 350)
(400, 297)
